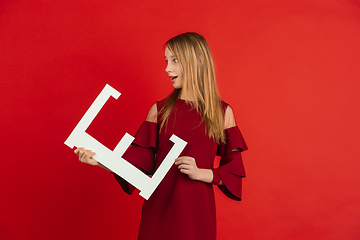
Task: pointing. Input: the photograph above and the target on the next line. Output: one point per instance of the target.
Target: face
(174, 69)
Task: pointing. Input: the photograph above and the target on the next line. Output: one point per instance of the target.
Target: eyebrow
(172, 56)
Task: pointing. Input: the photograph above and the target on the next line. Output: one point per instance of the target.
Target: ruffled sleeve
(141, 153)
(231, 169)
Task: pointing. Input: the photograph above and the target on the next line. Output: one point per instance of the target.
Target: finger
(89, 153)
(78, 150)
(81, 149)
(185, 171)
(177, 161)
(81, 154)
(84, 157)
(86, 153)
(182, 160)
(187, 163)
(185, 166)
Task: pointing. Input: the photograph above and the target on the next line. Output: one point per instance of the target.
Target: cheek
(180, 71)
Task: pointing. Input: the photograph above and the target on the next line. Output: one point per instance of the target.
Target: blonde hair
(199, 83)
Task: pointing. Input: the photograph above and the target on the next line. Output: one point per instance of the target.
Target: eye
(175, 60)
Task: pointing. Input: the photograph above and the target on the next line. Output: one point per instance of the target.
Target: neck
(186, 97)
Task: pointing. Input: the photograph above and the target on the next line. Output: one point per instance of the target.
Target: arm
(86, 156)
(142, 150)
(152, 114)
(187, 165)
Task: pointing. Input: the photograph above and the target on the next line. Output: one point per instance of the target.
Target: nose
(168, 69)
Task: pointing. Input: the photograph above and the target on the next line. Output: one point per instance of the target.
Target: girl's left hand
(187, 165)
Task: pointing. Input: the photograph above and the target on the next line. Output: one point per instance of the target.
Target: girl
(183, 205)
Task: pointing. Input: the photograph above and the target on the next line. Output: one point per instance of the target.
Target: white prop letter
(113, 159)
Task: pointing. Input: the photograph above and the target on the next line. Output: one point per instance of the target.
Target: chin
(176, 86)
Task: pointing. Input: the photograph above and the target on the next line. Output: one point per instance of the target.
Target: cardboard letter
(113, 159)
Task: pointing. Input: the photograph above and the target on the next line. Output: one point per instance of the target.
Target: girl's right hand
(86, 156)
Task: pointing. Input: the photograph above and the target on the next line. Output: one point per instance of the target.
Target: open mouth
(173, 78)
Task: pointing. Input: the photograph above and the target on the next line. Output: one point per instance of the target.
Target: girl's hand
(187, 165)
(86, 156)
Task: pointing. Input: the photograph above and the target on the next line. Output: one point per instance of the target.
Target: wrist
(102, 166)
(205, 175)
(216, 178)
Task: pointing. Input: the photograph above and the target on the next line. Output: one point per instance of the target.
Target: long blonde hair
(199, 84)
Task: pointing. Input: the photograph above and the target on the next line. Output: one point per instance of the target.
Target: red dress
(181, 208)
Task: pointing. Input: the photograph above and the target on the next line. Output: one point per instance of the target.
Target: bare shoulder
(229, 119)
(152, 114)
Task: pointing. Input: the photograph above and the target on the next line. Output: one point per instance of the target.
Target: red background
(290, 70)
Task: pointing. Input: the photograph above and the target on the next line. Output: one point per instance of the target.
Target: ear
(201, 58)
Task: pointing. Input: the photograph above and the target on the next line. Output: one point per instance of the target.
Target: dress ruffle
(178, 200)
(233, 140)
(146, 135)
(231, 169)
(141, 153)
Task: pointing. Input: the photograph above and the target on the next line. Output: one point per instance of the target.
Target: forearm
(207, 176)
(102, 166)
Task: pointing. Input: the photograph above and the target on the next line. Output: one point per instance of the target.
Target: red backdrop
(290, 70)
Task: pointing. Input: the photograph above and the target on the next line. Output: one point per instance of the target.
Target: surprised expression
(173, 69)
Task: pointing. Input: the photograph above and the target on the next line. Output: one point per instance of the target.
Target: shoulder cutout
(152, 114)
(229, 119)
